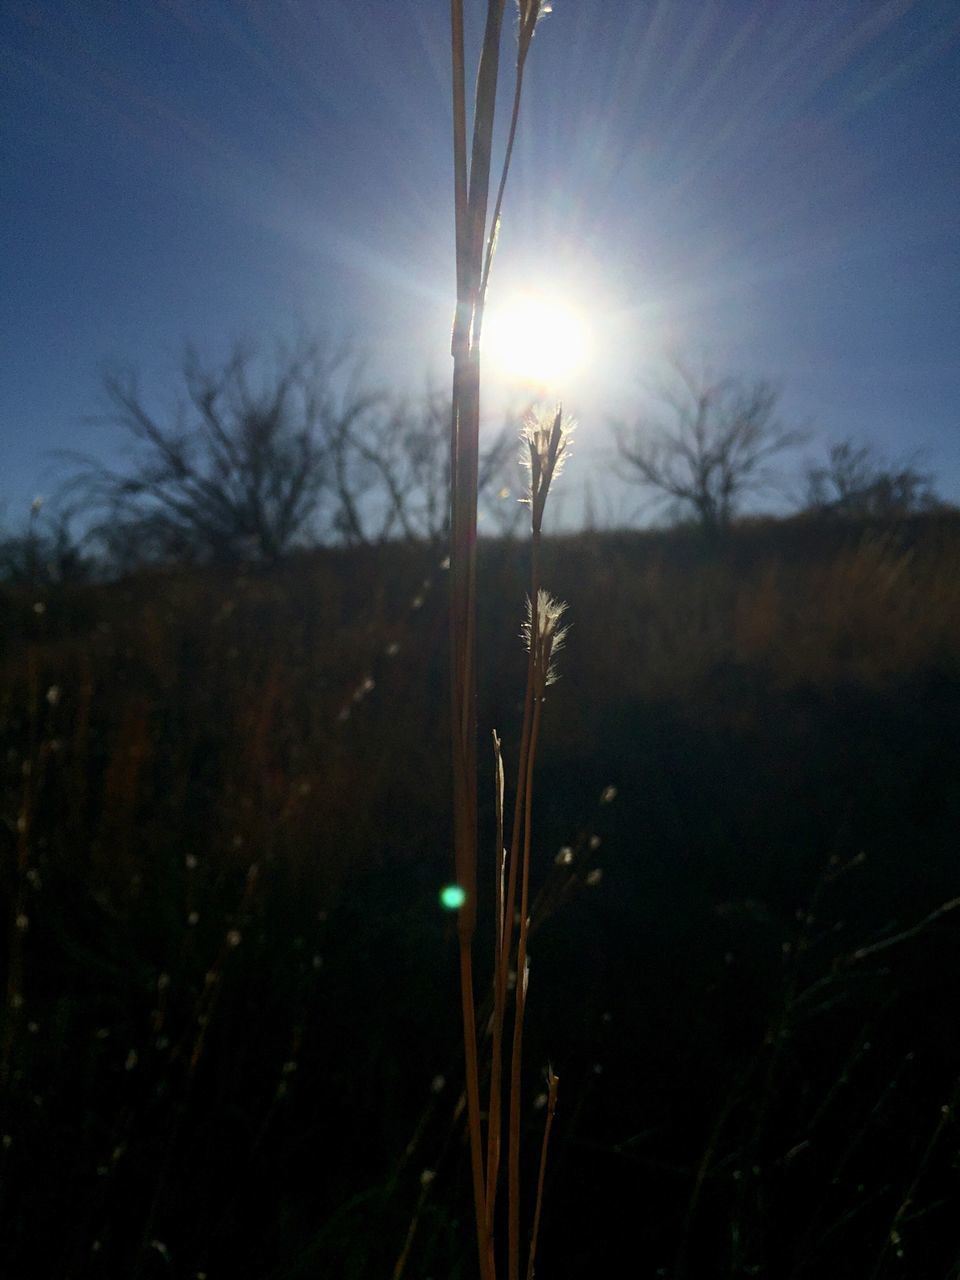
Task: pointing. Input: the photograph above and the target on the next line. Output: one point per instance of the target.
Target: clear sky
(774, 186)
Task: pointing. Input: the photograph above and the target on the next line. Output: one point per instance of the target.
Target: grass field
(230, 1039)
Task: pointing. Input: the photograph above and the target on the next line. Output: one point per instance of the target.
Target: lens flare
(452, 897)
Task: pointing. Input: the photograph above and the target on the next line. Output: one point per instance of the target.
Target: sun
(537, 339)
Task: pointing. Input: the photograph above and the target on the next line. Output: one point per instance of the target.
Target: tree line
(256, 460)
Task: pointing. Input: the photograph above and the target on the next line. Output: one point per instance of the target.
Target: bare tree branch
(856, 482)
(713, 447)
(245, 468)
(256, 458)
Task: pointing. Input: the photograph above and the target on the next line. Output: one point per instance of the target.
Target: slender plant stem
(471, 195)
(552, 1086)
(513, 1161)
(502, 930)
(479, 185)
(464, 433)
(459, 131)
(506, 943)
(498, 204)
(522, 761)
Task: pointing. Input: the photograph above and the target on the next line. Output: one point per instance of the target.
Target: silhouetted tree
(709, 447)
(241, 469)
(256, 459)
(46, 550)
(393, 474)
(857, 482)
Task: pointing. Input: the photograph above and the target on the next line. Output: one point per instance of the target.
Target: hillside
(230, 1040)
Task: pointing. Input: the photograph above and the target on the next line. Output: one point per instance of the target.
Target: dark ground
(212, 1070)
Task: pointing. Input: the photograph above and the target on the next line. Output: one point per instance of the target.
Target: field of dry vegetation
(230, 1034)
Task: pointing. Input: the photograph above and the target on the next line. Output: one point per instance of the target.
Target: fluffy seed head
(545, 635)
(544, 446)
(545, 441)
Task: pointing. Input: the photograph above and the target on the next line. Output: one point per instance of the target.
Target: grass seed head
(545, 635)
(544, 446)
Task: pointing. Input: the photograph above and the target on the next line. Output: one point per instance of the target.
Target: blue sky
(772, 187)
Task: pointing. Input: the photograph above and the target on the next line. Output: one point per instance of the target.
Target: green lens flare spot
(452, 897)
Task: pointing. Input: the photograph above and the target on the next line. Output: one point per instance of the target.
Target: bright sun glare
(536, 339)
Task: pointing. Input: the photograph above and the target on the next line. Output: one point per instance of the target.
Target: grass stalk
(516, 1057)
(470, 201)
(553, 1084)
(475, 247)
(502, 964)
(503, 932)
(528, 21)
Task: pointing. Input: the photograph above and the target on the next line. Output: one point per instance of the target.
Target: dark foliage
(47, 551)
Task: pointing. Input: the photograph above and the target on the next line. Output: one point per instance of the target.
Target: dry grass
(199, 730)
(476, 240)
